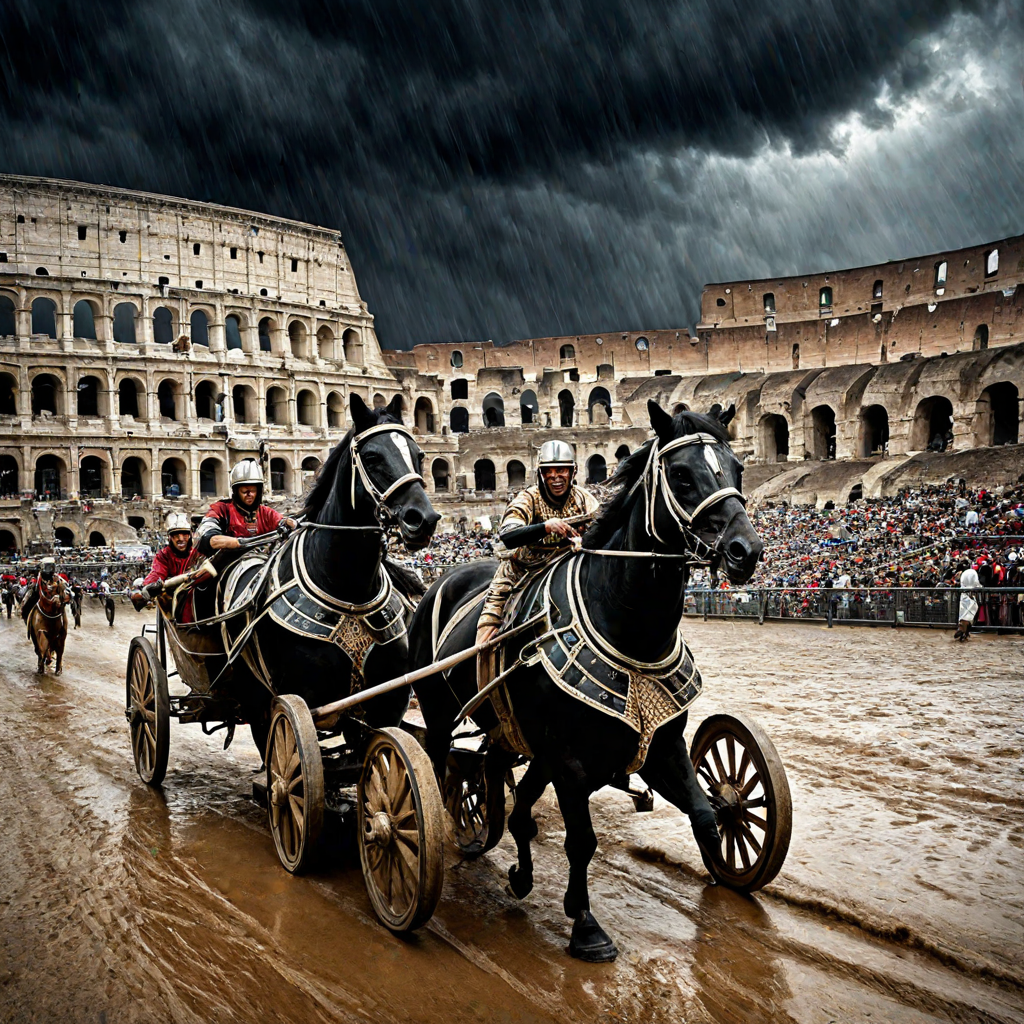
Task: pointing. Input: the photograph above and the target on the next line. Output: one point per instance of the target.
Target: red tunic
(167, 563)
(226, 518)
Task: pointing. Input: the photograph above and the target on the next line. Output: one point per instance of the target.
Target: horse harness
(49, 593)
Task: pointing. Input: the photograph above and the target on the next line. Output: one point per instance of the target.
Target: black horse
(678, 495)
(370, 480)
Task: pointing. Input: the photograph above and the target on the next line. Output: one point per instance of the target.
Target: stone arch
(773, 438)
(423, 415)
(933, 424)
(8, 541)
(124, 323)
(516, 473)
(621, 453)
(10, 476)
(483, 475)
(566, 408)
(233, 332)
(680, 407)
(458, 419)
(307, 408)
(213, 479)
(165, 325)
(8, 394)
(264, 332)
(997, 415)
(199, 327)
(91, 396)
(493, 410)
(567, 354)
(597, 469)
(64, 537)
(980, 343)
(83, 319)
(133, 477)
(44, 317)
(277, 406)
(336, 410)
(8, 321)
(209, 401)
(280, 475)
(131, 398)
(873, 431)
(93, 477)
(173, 473)
(352, 344)
(137, 523)
(325, 342)
(96, 539)
(47, 395)
(51, 477)
(169, 399)
(310, 467)
(243, 404)
(529, 407)
(599, 406)
(298, 339)
(439, 473)
(379, 401)
(823, 432)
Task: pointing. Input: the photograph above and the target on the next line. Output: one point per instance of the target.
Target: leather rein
(383, 512)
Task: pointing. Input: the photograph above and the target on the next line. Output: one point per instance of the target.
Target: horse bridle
(383, 512)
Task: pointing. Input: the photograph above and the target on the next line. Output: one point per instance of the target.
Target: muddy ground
(902, 898)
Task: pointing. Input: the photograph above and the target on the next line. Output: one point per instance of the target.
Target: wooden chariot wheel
(401, 829)
(742, 774)
(295, 782)
(147, 708)
(465, 800)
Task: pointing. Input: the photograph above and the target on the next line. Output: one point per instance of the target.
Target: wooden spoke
(730, 750)
(722, 776)
(148, 710)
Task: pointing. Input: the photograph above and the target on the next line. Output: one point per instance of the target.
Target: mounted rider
(49, 579)
(539, 524)
(243, 515)
(171, 560)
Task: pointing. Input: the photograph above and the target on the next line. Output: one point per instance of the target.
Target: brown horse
(48, 624)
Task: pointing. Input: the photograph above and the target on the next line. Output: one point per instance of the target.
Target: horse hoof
(590, 942)
(520, 883)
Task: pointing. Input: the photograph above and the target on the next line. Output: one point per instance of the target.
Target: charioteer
(48, 578)
(171, 560)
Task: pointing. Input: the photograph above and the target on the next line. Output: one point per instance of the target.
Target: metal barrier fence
(1001, 609)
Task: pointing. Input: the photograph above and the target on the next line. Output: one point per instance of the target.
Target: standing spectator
(969, 587)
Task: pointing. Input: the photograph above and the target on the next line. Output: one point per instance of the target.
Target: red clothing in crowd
(167, 563)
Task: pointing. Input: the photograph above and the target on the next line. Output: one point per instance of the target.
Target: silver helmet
(177, 522)
(248, 471)
(555, 453)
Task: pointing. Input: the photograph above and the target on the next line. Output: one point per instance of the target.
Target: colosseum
(148, 343)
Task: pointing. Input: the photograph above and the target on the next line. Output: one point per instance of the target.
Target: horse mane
(615, 510)
(337, 462)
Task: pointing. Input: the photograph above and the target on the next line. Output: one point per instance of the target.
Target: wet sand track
(902, 898)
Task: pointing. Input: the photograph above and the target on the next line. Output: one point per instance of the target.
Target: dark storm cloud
(504, 170)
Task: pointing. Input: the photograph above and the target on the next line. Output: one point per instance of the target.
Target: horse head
(695, 493)
(386, 480)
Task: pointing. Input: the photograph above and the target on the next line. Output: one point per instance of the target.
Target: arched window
(199, 328)
(63, 537)
(44, 317)
(459, 420)
(997, 419)
(167, 393)
(208, 401)
(9, 482)
(124, 323)
(456, 360)
(8, 542)
(49, 481)
(483, 473)
(83, 320)
(353, 346)
(277, 406)
(439, 474)
(940, 277)
(232, 331)
(133, 470)
(325, 342)
(825, 297)
(266, 325)
(823, 420)
(493, 409)
(243, 403)
(516, 475)
(280, 475)
(336, 411)
(597, 469)
(566, 408)
(933, 425)
(874, 431)
(90, 477)
(460, 389)
(173, 478)
(567, 353)
(622, 452)
(8, 395)
(97, 540)
(796, 355)
(8, 324)
(769, 302)
(128, 398)
(297, 339)
(423, 415)
(774, 438)
(599, 406)
(88, 396)
(163, 326)
(529, 408)
(981, 338)
(379, 401)
(211, 478)
(876, 290)
(45, 395)
(308, 408)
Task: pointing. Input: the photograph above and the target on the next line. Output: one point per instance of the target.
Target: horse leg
(589, 941)
(497, 764)
(669, 771)
(523, 828)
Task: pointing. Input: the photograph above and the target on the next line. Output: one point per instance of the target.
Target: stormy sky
(534, 167)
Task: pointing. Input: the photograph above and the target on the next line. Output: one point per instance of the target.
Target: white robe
(968, 606)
